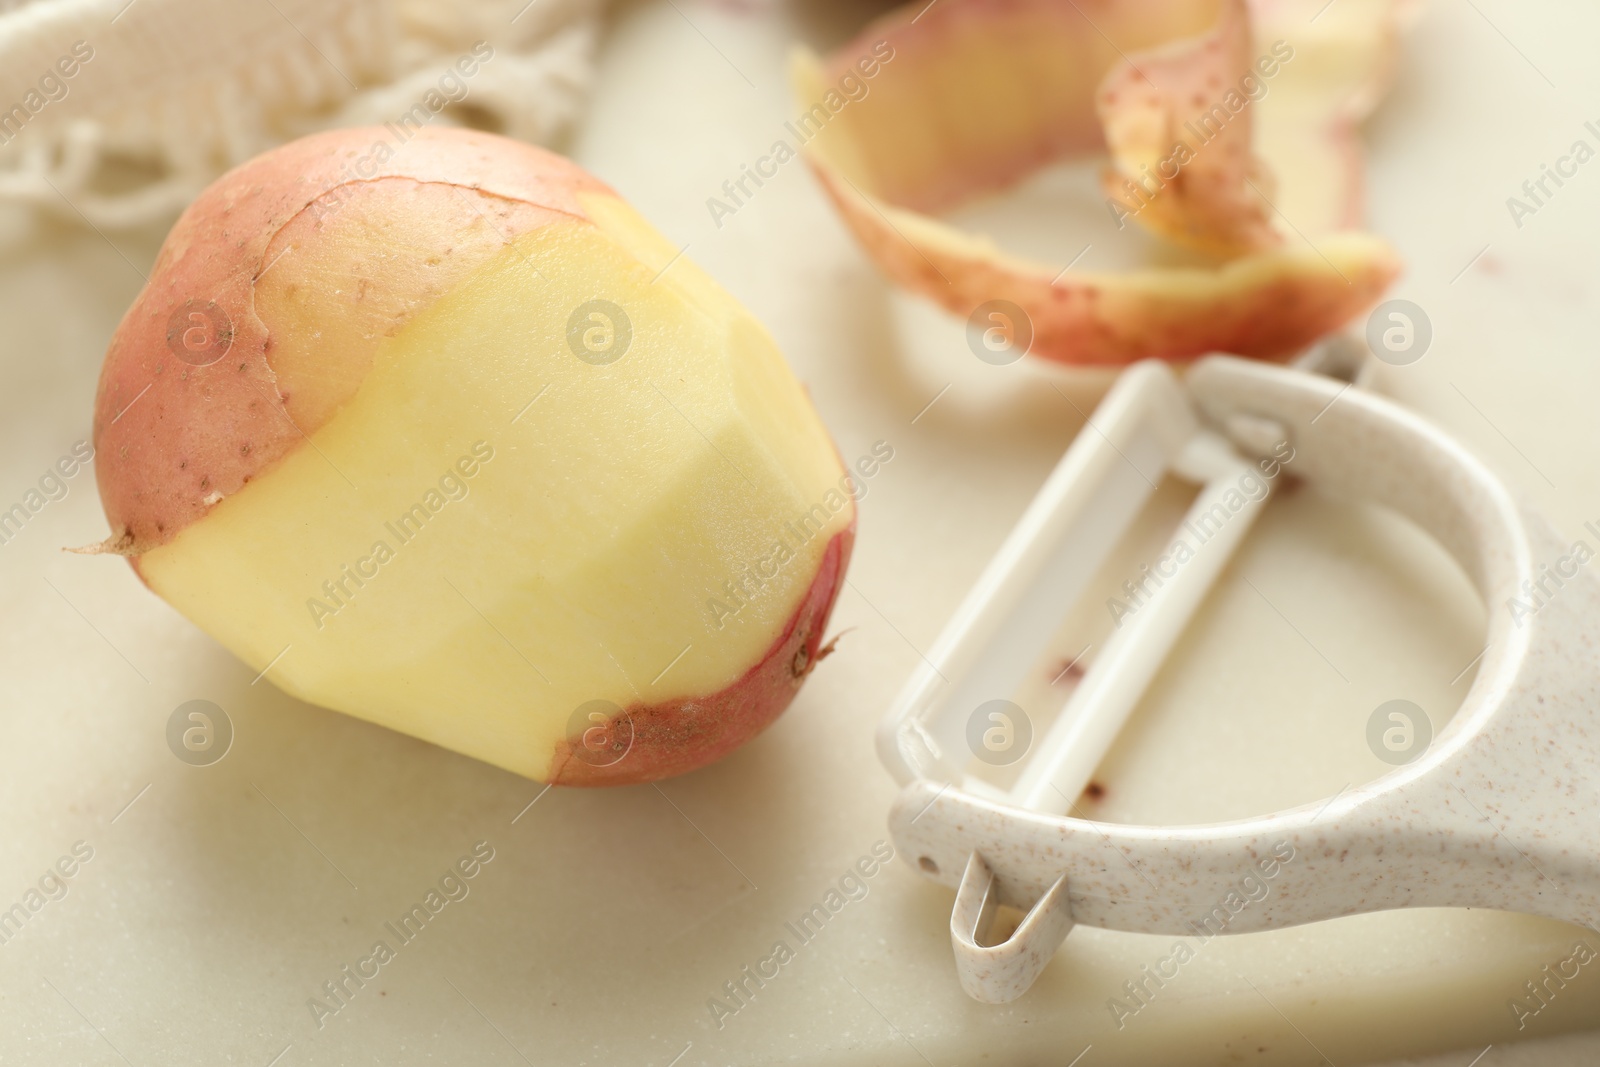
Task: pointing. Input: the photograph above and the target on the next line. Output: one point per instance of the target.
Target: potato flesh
(583, 558)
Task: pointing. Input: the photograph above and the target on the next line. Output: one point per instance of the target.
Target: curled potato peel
(1230, 128)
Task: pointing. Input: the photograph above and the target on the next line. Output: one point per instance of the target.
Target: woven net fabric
(117, 113)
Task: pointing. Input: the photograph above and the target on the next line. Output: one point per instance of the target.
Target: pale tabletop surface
(219, 899)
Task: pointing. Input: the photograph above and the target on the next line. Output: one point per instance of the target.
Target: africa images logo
(453, 485)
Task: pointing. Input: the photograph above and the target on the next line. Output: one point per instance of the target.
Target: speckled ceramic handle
(1000, 973)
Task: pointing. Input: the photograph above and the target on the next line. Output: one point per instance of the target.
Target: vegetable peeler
(1497, 813)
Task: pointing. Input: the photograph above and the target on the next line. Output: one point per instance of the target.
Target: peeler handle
(998, 974)
(1496, 813)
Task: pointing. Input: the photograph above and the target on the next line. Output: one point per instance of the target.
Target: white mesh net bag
(117, 113)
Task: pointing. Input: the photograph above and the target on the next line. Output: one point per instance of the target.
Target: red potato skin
(1116, 319)
(679, 736)
(1211, 203)
(168, 435)
(1078, 37)
(1269, 299)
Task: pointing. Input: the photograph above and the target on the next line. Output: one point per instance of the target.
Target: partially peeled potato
(444, 435)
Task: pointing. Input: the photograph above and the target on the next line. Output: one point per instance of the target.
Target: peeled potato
(445, 436)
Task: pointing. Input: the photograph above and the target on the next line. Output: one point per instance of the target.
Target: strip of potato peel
(977, 95)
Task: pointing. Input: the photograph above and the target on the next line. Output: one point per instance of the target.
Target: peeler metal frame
(1498, 813)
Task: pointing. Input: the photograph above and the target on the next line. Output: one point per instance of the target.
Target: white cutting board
(218, 900)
